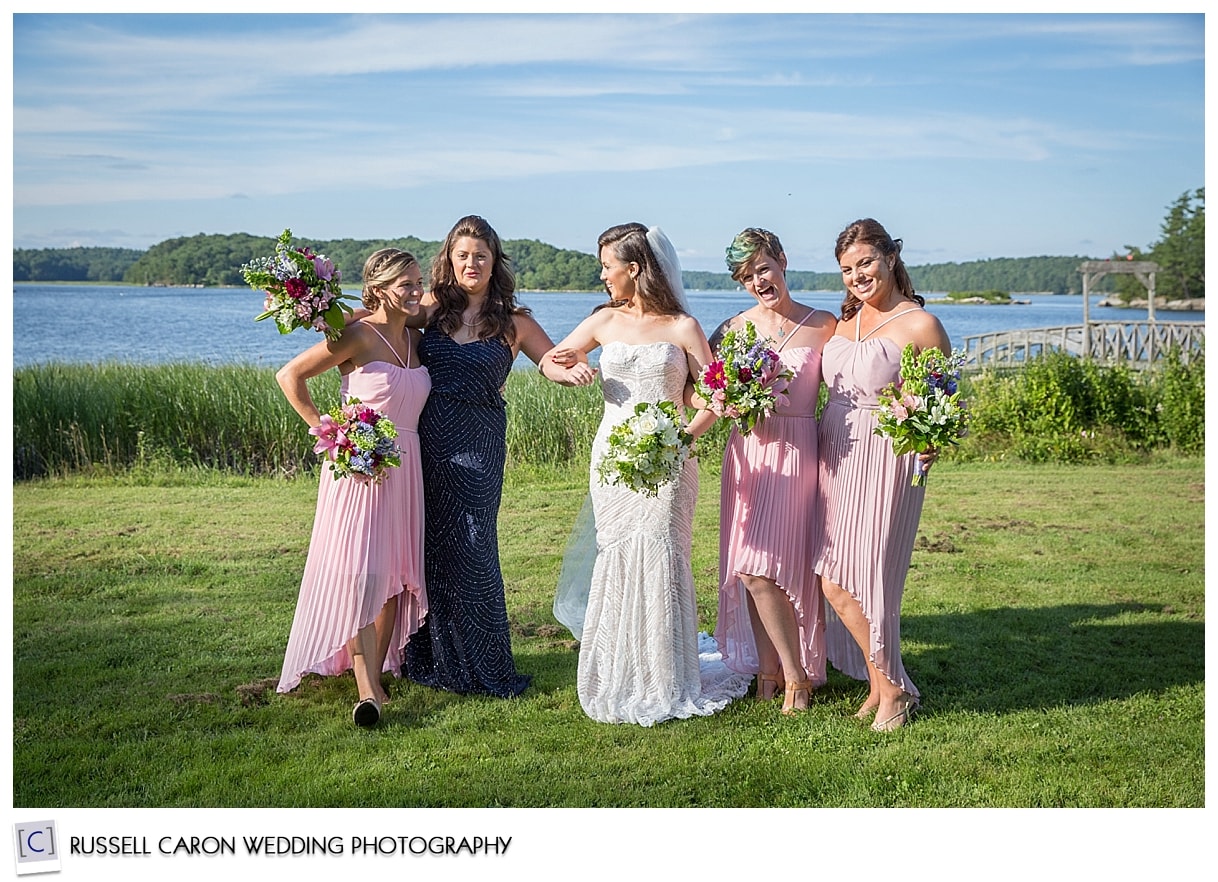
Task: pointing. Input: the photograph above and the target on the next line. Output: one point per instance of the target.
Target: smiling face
(472, 262)
(764, 277)
(619, 277)
(867, 273)
(404, 293)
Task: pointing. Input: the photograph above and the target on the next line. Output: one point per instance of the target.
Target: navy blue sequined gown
(464, 646)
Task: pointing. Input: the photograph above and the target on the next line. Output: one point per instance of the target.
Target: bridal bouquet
(302, 289)
(647, 450)
(744, 383)
(358, 441)
(924, 410)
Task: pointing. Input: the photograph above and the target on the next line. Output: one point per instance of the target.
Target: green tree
(1180, 254)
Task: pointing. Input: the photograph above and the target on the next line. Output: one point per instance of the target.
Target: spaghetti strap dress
(767, 498)
(464, 646)
(367, 541)
(867, 512)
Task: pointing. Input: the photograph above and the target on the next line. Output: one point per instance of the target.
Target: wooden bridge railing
(1137, 344)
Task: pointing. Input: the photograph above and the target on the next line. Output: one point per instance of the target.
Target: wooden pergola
(1094, 270)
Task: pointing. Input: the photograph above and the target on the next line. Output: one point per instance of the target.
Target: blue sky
(969, 136)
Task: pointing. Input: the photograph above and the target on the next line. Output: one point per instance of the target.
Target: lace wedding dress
(641, 658)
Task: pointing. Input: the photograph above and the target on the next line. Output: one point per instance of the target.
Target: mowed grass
(1053, 619)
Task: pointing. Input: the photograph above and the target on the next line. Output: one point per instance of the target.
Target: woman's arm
(567, 363)
(726, 325)
(926, 331)
(313, 361)
(531, 338)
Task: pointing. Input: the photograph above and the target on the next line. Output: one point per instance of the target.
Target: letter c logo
(29, 841)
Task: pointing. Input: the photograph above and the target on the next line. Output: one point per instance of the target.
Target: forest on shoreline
(215, 260)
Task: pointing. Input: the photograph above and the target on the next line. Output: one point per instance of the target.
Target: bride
(639, 643)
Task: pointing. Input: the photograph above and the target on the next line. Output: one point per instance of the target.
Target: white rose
(646, 423)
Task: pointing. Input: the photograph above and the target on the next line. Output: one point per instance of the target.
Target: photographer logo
(36, 847)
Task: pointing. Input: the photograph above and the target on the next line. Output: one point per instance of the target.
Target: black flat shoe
(367, 713)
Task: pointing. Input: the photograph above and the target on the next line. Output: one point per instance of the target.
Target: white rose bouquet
(647, 450)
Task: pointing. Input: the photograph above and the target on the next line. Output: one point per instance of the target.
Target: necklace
(477, 321)
(782, 331)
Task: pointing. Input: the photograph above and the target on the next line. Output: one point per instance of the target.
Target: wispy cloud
(151, 109)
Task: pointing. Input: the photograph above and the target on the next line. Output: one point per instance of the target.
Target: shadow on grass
(1001, 660)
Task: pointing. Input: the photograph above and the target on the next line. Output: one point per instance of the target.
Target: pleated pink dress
(867, 513)
(367, 543)
(767, 496)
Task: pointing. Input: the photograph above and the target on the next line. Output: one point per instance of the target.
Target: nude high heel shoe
(907, 704)
(775, 679)
(792, 690)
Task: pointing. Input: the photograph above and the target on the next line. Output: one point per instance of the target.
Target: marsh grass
(111, 418)
(1053, 619)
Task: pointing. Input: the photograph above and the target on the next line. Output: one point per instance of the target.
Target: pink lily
(330, 436)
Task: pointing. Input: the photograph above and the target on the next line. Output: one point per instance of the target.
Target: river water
(95, 323)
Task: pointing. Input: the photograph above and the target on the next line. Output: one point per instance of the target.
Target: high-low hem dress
(767, 499)
(367, 540)
(641, 658)
(464, 646)
(867, 511)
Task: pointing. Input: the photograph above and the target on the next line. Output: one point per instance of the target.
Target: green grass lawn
(1053, 619)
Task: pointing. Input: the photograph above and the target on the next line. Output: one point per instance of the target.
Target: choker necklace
(470, 324)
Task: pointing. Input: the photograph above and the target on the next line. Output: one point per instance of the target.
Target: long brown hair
(451, 299)
(869, 232)
(629, 245)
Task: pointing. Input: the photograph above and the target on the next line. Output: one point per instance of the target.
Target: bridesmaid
(771, 613)
(867, 512)
(474, 331)
(362, 593)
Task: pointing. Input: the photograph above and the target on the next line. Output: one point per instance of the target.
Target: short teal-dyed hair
(745, 247)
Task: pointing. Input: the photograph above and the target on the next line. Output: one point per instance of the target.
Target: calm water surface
(95, 323)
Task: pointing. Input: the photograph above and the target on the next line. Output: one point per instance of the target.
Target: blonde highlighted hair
(382, 269)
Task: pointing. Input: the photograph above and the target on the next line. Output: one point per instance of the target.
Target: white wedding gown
(641, 658)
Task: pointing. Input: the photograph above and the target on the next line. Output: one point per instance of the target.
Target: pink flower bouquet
(302, 289)
(924, 410)
(358, 441)
(744, 383)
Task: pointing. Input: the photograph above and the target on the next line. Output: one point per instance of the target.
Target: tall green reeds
(114, 417)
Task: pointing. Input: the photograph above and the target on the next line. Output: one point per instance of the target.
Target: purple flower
(324, 267)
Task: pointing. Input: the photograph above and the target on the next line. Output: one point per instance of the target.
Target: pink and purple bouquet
(646, 450)
(924, 410)
(302, 289)
(744, 382)
(358, 441)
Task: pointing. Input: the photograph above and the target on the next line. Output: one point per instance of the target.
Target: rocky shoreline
(1195, 304)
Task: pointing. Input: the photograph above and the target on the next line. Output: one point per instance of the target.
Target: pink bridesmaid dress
(867, 514)
(767, 494)
(367, 543)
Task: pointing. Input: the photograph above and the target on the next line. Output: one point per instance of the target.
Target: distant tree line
(216, 259)
(72, 264)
